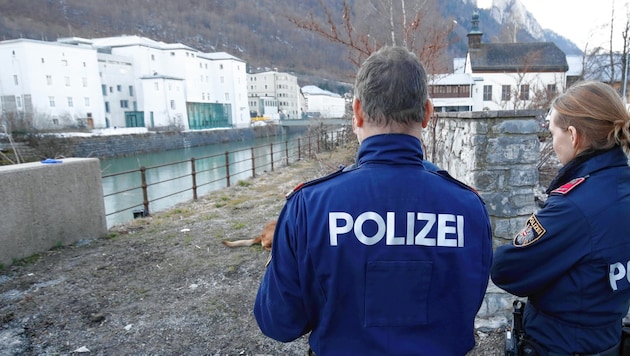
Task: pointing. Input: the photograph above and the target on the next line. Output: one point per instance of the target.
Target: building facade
(322, 103)
(281, 86)
(125, 81)
(50, 85)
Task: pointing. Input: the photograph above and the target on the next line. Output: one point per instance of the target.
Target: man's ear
(357, 111)
(428, 111)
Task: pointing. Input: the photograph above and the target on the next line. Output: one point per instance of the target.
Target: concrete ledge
(49, 204)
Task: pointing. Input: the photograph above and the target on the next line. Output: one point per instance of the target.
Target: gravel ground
(162, 285)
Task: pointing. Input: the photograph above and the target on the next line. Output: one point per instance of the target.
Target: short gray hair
(392, 86)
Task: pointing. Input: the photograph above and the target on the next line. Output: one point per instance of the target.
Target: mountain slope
(258, 31)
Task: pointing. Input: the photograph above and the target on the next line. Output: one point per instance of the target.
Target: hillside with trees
(262, 32)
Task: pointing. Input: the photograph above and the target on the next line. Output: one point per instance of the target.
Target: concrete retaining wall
(48, 205)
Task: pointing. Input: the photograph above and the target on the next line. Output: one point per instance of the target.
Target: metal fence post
(271, 148)
(253, 163)
(227, 167)
(194, 177)
(145, 193)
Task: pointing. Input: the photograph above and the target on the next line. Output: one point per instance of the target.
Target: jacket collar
(588, 163)
(390, 148)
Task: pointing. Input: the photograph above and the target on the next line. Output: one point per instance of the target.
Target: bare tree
(419, 28)
(610, 43)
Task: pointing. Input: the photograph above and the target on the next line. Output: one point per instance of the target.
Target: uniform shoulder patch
(567, 187)
(314, 181)
(531, 233)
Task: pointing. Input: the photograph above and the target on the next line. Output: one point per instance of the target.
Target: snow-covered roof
(125, 41)
(452, 79)
(314, 90)
(219, 56)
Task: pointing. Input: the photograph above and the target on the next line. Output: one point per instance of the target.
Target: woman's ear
(575, 138)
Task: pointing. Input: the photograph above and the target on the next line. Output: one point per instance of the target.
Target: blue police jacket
(384, 258)
(572, 258)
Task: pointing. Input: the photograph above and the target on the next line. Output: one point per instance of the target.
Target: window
(172, 104)
(55, 121)
(552, 90)
(70, 102)
(104, 89)
(111, 89)
(107, 106)
(86, 101)
(222, 79)
(51, 101)
(43, 60)
(15, 79)
(506, 92)
(227, 96)
(124, 104)
(220, 66)
(131, 90)
(119, 88)
(84, 80)
(18, 101)
(157, 86)
(487, 92)
(49, 79)
(67, 80)
(153, 57)
(64, 62)
(524, 93)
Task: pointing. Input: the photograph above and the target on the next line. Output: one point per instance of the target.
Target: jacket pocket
(397, 293)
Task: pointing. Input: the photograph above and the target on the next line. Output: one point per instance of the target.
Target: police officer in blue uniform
(387, 257)
(572, 258)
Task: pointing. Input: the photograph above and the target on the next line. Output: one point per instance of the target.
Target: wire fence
(141, 190)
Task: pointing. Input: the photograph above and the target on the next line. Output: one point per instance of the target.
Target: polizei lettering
(617, 272)
(423, 229)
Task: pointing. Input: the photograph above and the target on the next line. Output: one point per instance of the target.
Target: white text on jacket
(445, 230)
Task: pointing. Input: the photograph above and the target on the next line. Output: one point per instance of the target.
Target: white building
(501, 76)
(213, 84)
(512, 76)
(126, 81)
(51, 85)
(323, 103)
(282, 86)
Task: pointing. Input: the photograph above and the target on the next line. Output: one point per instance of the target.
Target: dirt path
(162, 285)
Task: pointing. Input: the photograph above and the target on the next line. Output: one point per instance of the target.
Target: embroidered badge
(565, 188)
(532, 231)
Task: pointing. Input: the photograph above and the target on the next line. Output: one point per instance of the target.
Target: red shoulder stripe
(567, 187)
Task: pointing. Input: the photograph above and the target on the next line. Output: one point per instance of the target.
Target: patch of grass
(27, 260)
(238, 225)
(244, 183)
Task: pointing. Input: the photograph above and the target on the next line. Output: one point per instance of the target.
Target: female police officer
(572, 258)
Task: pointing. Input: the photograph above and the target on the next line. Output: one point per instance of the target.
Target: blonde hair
(597, 113)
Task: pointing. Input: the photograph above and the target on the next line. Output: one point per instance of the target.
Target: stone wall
(495, 152)
(111, 145)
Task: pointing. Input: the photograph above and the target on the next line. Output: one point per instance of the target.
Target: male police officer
(387, 257)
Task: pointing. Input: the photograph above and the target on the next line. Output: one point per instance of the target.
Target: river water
(170, 184)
